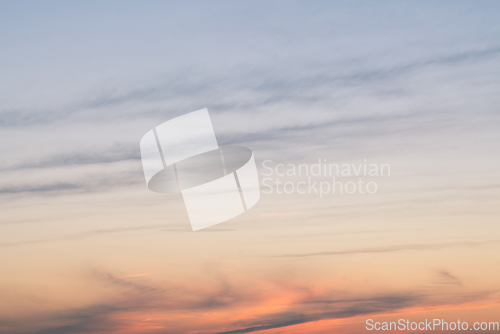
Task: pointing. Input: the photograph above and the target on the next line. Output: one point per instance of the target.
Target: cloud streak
(391, 249)
(266, 90)
(78, 236)
(134, 300)
(116, 153)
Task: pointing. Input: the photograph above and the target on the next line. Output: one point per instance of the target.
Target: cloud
(280, 213)
(79, 182)
(448, 278)
(95, 318)
(205, 230)
(255, 87)
(62, 188)
(121, 283)
(277, 96)
(131, 299)
(115, 153)
(318, 86)
(390, 249)
(57, 186)
(82, 235)
(346, 308)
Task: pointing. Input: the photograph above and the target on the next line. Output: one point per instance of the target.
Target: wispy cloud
(115, 153)
(81, 235)
(447, 278)
(301, 88)
(390, 249)
(346, 309)
(57, 186)
(97, 181)
(134, 299)
(123, 283)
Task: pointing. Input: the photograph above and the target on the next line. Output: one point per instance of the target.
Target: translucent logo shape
(216, 183)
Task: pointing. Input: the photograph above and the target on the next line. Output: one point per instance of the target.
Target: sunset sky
(86, 247)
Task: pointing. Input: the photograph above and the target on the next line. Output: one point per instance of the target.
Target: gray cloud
(447, 278)
(121, 283)
(289, 319)
(57, 186)
(99, 182)
(62, 188)
(115, 153)
(348, 308)
(131, 295)
(95, 318)
(268, 86)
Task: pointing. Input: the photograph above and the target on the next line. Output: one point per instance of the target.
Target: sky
(86, 247)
